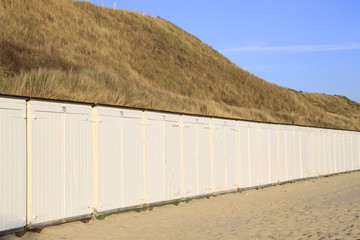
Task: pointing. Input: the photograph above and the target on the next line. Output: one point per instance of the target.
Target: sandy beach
(325, 208)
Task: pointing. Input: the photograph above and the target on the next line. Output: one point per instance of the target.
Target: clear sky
(308, 45)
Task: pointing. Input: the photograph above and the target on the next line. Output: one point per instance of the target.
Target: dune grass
(73, 50)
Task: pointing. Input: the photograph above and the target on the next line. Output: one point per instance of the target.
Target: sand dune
(326, 208)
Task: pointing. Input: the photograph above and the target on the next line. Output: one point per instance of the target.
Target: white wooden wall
(12, 164)
(181, 156)
(74, 160)
(59, 161)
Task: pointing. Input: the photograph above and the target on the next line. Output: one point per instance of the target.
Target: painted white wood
(61, 161)
(68, 160)
(12, 163)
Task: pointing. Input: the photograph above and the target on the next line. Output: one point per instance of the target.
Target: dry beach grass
(325, 208)
(75, 50)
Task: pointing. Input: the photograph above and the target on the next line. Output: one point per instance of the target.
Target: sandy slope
(327, 208)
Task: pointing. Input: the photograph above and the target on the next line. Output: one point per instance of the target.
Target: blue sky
(308, 45)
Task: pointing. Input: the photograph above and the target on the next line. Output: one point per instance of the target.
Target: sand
(325, 208)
